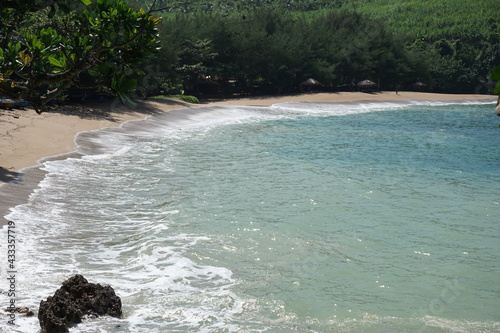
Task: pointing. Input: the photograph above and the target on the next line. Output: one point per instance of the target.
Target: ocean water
(301, 217)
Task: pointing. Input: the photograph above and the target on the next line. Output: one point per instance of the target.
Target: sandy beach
(27, 138)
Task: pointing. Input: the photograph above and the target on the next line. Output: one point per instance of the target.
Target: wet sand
(27, 139)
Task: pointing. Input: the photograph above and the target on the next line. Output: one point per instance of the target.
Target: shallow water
(300, 217)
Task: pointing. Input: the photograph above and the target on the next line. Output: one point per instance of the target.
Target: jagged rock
(77, 298)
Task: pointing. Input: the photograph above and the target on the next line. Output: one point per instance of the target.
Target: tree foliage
(271, 51)
(495, 75)
(46, 46)
(269, 46)
(223, 47)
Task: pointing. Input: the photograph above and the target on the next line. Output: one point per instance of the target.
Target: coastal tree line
(223, 47)
(272, 52)
(261, 46)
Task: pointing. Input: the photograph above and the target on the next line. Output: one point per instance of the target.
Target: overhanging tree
(41, 58)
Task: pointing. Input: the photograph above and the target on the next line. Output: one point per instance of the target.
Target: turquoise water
(302, 217)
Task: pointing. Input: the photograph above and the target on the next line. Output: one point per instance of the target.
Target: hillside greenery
(221, 48)
(465, 35)
(424, 18)
(436, 19)
(271, 46)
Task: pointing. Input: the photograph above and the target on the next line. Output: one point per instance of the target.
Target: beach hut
(310, 84)
(367, 85)
(419, 85)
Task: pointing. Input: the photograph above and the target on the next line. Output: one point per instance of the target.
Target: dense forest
(222, 48)
(270, 47)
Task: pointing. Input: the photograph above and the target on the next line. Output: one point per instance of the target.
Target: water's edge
(18, 191)
(168, 211)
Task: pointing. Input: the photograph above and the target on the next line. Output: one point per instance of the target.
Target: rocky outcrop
(77, 299)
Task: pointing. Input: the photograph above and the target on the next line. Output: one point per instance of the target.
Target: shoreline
(30, 139)
(26, 130)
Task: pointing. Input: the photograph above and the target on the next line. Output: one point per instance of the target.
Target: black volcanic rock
(77, 298)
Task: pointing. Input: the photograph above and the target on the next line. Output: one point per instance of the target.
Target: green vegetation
(238, 6)
(49, 46)
(436, 19)
(263, 46)
(462, 37)
(226, 47)
(496, 76)
(269, 52)
(185, 98)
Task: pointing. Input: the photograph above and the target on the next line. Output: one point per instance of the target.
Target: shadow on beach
(8, 176)
(105, 110)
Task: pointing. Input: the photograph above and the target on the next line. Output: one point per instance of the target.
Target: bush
(185, 98)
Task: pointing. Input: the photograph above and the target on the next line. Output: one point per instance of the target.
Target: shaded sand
(26, 138)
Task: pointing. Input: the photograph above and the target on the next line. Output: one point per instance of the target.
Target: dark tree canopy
(46, 47)
(270, 46)
(224, 47)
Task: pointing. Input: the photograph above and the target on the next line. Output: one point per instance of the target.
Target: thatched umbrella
(310, 83)
(366, 84)
(419, 84)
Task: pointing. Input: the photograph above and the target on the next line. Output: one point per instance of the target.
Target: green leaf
(129, 84)
(86, 2)
(84, 40)
(497, 88)
(125, 84)
(56, 62)
(496, 73)
(125, 99)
